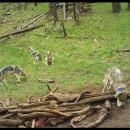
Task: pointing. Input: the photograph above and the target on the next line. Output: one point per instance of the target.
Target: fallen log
(36, 18)
(77, 113)
(22, 31)
(10, 122)
(36, 114)
(22, 105)
(60, 97)
(4, 109)
(91, 100)
(40, 110)
(46, 80)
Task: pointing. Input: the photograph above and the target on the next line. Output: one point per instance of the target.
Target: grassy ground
(78, 62)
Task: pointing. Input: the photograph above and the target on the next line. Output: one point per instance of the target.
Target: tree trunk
(25, 5)
(35, 3)
(128, 8)
(55, 12)
(116, 7)
(74, 11)
(19, 6)
(64, 11)
(50, 8)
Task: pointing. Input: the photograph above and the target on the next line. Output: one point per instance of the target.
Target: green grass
(74, 67)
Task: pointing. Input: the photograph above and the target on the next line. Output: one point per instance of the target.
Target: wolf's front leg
(17, 77)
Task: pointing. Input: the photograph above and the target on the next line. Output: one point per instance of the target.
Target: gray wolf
(114, 79)
(49, 58)
(11, 69)
(35, 54)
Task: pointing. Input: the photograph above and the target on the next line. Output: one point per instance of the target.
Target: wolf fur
(49, 58)
(11, 69)
(35, 54)
(114, 79)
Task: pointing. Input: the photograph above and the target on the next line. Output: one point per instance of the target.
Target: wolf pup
(115, 78)
(34, 53)
(49, 58)
(11, 69)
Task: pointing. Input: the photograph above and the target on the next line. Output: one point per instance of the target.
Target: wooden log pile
(55, 108)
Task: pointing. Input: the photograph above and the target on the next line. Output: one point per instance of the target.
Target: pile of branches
(55, 108)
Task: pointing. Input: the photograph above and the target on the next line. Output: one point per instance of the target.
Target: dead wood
(28, 99)
(60, 97)
(117, 50)
(78, 118)
(77, 113)
(46, 80)
(21, 126)
(80, 95)
(80, 112)
(33, 20)
(22, 31)
(40, 110)
(51, 92)
(91, 100)
(7, 116)
(33, 123)
(10, 122)
(8, 102)
(90, 95)
(54, 121)
(65, 34)
(36, 114)
(96, 42)
(3, 103)
(27, 124)
(48, 87)
(22, 105)
(4, 109)
(82, 37)
(108, 106)
(101, 118)
(69, 109)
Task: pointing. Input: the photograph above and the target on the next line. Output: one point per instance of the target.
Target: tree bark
(128, 7)
(10, 122)
(46, 80)
(36, 114)
(65, 34)
(64, 11)
(116, 7)
(55, 12)
(22, 31)
(74, 11)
